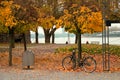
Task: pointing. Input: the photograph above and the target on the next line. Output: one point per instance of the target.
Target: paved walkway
(55, 75)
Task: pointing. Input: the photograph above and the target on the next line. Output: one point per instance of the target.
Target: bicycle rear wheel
(68, 63)
(89, 65)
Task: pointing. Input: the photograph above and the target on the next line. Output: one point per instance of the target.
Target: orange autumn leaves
(84, 18)
(46, 18)
(81, 16)
(6, 15)
(51, 61)
(87, 20)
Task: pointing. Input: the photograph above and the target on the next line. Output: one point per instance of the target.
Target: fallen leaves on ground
(52, 61)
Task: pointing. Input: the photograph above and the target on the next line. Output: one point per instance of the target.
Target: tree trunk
(11, 42)
(24, 41)
(76, 38)
(53, 35)
(53, 38)
(48, 33)
(47, 38)
(79, 46)
(36, 34)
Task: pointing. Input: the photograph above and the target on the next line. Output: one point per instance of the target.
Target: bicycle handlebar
(74, 50)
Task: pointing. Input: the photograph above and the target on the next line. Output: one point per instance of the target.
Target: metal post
(108, 49)
(105, 41)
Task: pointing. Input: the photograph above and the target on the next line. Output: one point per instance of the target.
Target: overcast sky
(115, 27)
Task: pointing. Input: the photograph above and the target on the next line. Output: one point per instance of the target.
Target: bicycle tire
(89, 64)
(68, 63)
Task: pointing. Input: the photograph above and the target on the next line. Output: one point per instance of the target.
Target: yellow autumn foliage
(59, 23)
(6, 15)
(82, 18)
(74, 5)
(84, 9)
(96, 21)
(46, 19)
(47, 22)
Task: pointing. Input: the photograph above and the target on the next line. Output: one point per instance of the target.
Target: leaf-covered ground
(46, 59)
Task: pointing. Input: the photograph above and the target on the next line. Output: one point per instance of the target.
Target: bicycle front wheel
(68, 63)
(89, 64)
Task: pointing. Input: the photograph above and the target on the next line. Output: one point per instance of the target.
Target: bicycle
(87, 63)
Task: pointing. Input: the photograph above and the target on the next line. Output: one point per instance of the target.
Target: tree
(16, 18)
(81, 19)
(8, 21)
(48, 18)
(47, 24)
(29, 13)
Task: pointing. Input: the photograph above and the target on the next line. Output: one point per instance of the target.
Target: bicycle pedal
(81, 64)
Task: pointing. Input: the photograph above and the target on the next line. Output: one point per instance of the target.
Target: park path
(36, 48)
(56, 75)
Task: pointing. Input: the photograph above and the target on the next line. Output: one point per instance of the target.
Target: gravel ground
(56, 75)
(46, 48)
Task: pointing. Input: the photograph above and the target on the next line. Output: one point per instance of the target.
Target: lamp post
(105, 39)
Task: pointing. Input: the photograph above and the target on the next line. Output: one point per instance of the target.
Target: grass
(91, 49)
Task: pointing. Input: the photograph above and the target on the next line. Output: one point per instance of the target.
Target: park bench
(94, 42)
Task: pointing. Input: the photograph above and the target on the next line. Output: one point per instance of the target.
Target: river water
(71, 40)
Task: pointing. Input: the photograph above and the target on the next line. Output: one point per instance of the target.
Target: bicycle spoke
(67, 63)
(89, 64)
